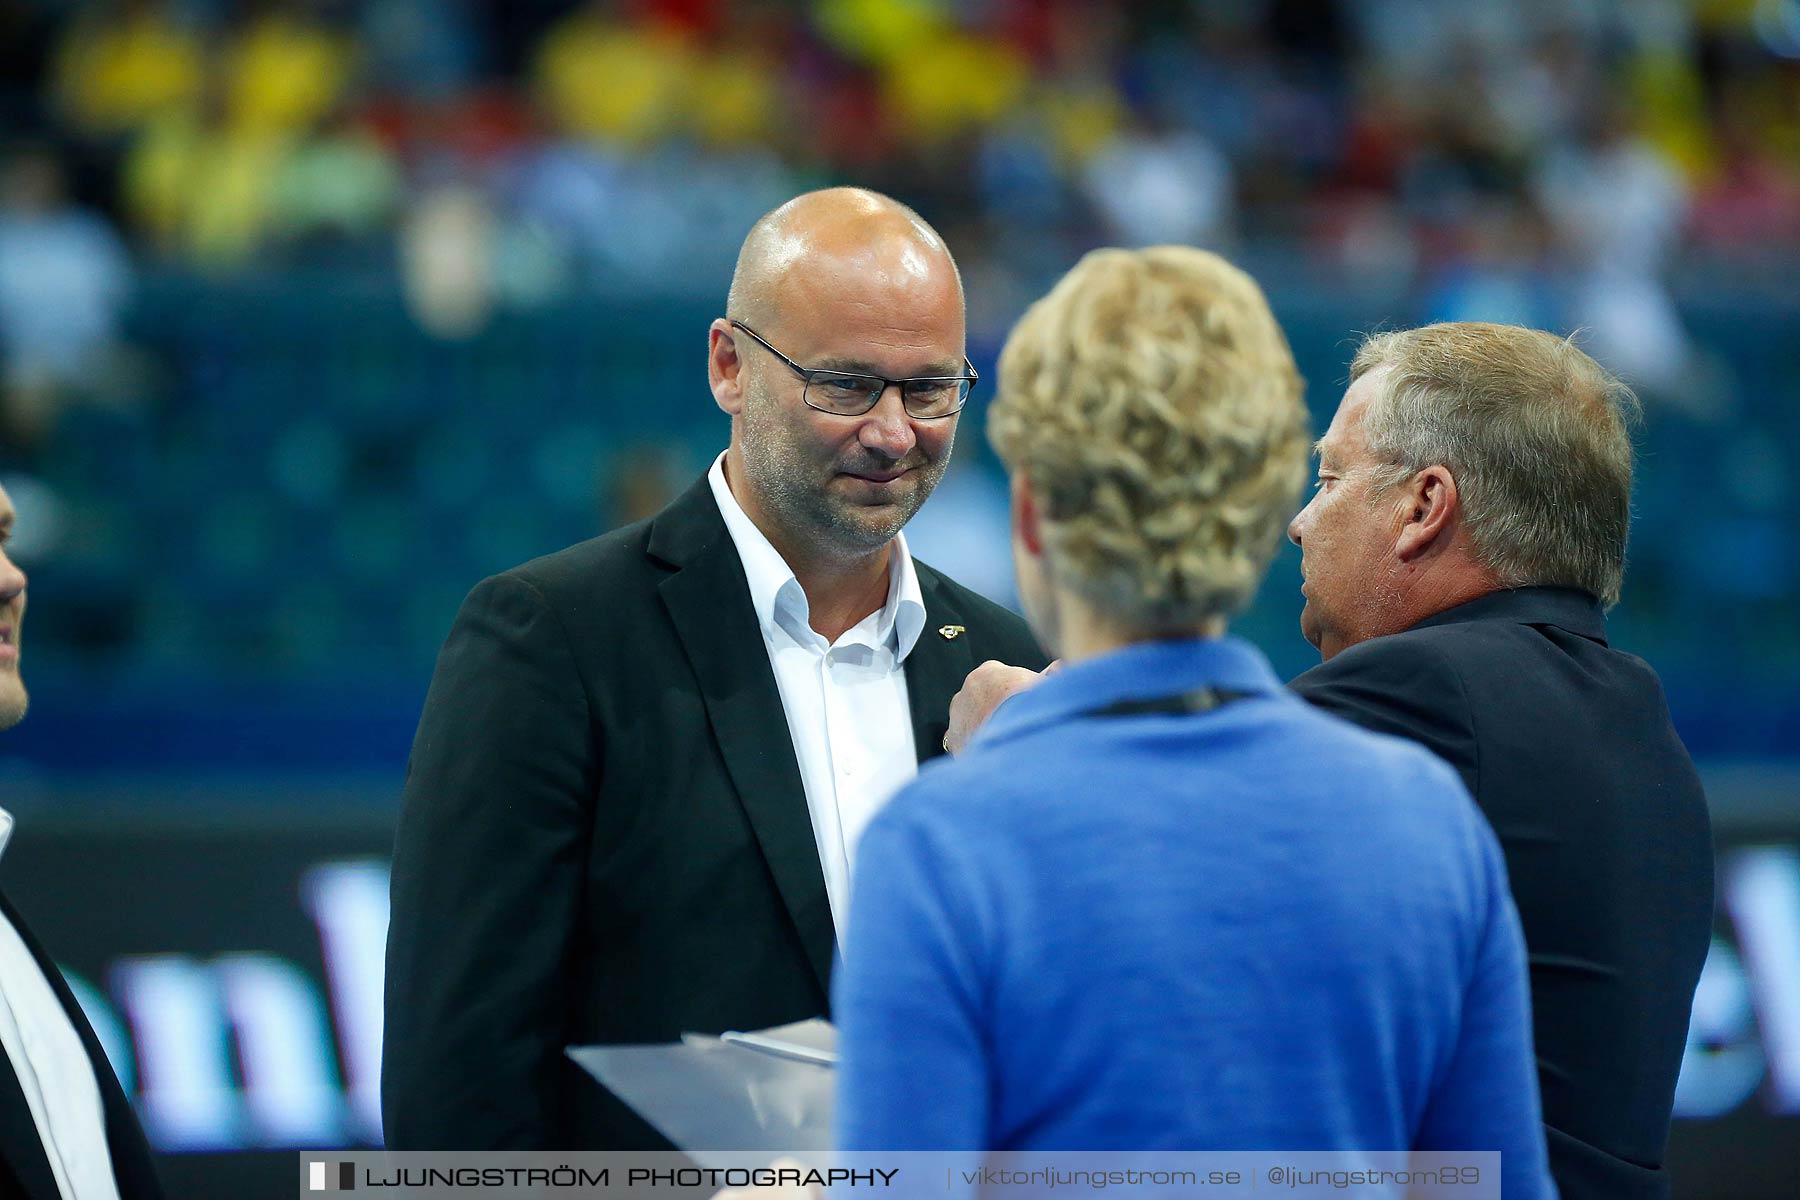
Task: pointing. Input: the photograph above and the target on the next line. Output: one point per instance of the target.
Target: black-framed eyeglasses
(850, 394)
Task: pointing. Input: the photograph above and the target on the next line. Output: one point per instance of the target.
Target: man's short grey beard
(10, 713)
(799, 507)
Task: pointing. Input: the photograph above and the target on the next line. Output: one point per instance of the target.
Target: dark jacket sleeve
(1400, 685)
(488, 862)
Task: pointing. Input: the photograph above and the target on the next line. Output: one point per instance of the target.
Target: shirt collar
(6, 829)
(774, 592)
(1141, 671)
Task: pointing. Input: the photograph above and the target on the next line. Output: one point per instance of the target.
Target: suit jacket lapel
(20, 1143)
(708, 598)
(937, 666)
(21, 1149)
(133, 1168)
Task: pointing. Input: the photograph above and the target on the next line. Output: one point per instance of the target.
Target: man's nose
(1293, 529)
(886, 427)
(12, 579)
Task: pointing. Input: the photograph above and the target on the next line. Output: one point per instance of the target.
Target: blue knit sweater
(1255, 928)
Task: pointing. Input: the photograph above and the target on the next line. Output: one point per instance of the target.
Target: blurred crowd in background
(341, 251)
(617, 137)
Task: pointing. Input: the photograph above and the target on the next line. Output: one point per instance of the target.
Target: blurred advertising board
(230, 957)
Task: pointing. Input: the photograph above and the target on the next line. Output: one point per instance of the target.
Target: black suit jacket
(1567, 747)
(24, 1167)
(604, 836)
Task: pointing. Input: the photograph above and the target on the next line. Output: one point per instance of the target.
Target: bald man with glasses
(644, 762)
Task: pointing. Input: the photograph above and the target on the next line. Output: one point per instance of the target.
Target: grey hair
(1535, 433)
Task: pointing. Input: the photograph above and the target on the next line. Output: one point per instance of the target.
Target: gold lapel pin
(949, 632)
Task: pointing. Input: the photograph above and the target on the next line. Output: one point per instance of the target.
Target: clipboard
(769, 1090)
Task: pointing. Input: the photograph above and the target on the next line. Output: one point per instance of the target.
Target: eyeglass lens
(853, 395)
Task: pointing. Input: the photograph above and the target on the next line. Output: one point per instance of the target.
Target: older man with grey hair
(1465, 537)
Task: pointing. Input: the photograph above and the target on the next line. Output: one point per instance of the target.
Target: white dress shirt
(53, 1068)
(845, 701)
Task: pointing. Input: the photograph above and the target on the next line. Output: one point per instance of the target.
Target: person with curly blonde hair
(1158, 902)
(1151, 409)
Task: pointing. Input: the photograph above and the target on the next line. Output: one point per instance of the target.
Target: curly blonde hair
(1153, 403)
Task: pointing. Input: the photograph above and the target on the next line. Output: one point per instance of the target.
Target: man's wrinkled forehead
(1331, 447)
(1345, 435)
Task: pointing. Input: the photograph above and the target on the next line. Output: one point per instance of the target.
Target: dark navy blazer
(1568, 748)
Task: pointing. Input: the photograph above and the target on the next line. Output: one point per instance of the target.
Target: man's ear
(724, 367)
(1025, 517)
(1434, 506)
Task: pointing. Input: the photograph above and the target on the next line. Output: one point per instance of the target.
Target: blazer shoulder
(996, 630)
(1409, 684)
(613, 559)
